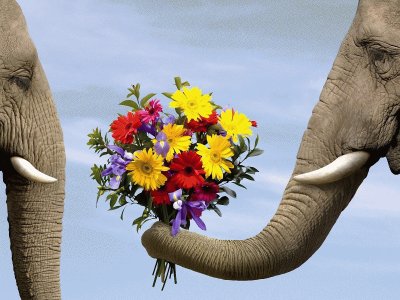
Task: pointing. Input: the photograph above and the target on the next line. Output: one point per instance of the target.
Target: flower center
(215, 157)
(146, 169)
(206, 188)
(128, 126)
(188, 170)
(191, 104)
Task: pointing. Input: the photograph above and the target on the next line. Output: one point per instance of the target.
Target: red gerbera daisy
(189, 169)
(151, 111)
(160, 196)
(206, 192)
(203, 123)
(125, 127)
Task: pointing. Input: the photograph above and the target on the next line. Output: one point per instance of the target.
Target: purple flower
(118, 162)
(183, 207)
(162, 146)
(222, 132)
(169, 120)
(149, 128)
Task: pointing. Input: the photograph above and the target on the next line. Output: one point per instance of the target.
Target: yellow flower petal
(193, 104)
(235, 124)
(146, 168)
(178, 142)
(214, 159)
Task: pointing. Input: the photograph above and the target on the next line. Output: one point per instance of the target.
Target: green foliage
(179, 84)
(131, 104)
(145, 99)
(97, 142)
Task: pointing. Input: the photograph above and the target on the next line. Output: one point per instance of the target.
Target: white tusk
(340, 168)
(25, 169)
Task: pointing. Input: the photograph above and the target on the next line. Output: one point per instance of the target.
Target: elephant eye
(384, 63)
(23, 82)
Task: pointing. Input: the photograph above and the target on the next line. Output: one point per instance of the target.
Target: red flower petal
(203, 124)
(125, 127)
(188, 168)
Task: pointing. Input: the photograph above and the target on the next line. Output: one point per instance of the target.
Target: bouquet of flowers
(176, 166)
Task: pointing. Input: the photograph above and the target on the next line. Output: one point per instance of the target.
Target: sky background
(268, 59)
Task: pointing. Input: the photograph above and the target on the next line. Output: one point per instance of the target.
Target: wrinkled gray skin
(358, 110)
(29, 128)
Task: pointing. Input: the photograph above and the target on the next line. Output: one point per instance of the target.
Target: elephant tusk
(27, 170)
(340, 168)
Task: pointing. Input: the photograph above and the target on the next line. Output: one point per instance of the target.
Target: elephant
(31, 139)
(353, 125)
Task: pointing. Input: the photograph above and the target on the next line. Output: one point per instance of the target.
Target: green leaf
(96, 141)
(138, 222)
(168, 95)
(113, 200)
(223, 200)
(146, 98)
(227, 190)
(251, 170)
(122, 213)
(131, 104)
(256, 142)
(242, 144)
(99, 194)
(122, 200)
(247, 176)
(115, 207)
(137, 91)
(186, 83)
(239, 184)
(131, 92)
(215, 208)
(179, 112)
(178, 82)
(255, 152)
(96, 174)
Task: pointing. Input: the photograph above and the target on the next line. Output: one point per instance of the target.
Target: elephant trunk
(305, 216)
(35, 234)
(303, 220)
(35, 209)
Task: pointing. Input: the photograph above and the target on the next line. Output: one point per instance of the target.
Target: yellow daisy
(192, 102)
(235, 123)
(214, 159)
(146, 169)
(176, 140)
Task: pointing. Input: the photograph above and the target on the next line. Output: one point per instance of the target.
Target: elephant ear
(393, 155)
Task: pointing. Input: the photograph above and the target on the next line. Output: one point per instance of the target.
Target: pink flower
(151, 112)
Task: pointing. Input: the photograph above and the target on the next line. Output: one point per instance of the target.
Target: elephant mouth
(25, 169)
(393, 156)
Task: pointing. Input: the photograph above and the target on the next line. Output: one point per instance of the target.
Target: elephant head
(353, 125)
(30, 140)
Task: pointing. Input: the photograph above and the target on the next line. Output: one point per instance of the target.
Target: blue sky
(268, 59)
